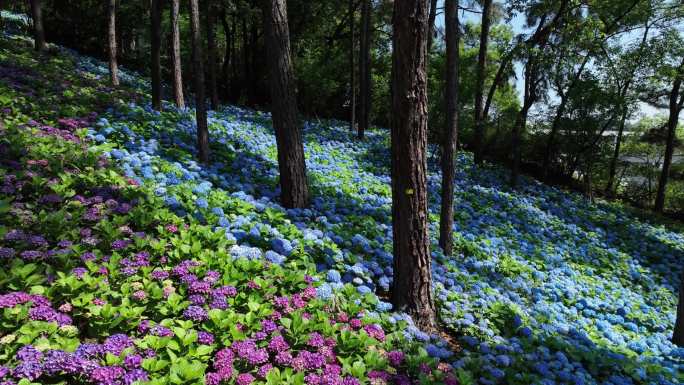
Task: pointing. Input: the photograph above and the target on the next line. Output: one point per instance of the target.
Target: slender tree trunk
(198, 80)
(612, 169)
(431, 24)
(555, 126)
(38, 29)
(480, 79)
(155, 69)
(293, 183)
(352, 67)
(111, 40)
(672, 122)
(211, 48)
(678, 335)
(446, 222)
(412, 289)
(227, 58)
(253, 44)
(365, 68)
(518, 128)
(176, 55)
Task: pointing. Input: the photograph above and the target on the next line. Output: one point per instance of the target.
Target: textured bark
(211, 51)
(38, 29)
(111, 42)
(198, 80)
(293, 183)
(431, 24)
(678, 335)
(673, 120)
(365, 68)
(446, 221)
(176, 55)
(352, 67)
(521, 122)
(412, 289)
(155, 65)
(480, 79)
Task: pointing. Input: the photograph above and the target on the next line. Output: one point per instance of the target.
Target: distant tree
(352, 66)
(176, 69)
(480, 80)
(211, 48)
(431, 24)
(111, 42)
(293, 183)
(38, 29)
(412, 288)
(365, 68)
(675, 107)
(198, 80)
(453, 32)
(155, 66)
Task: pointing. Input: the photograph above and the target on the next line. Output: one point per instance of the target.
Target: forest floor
(127, 260)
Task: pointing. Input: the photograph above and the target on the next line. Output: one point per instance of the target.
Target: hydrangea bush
(128, 261)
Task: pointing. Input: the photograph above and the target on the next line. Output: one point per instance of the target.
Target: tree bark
(111, 41)
(211, 48)
(678, 335)
(176, 55)
(291, 163)
(352, 67)
(672, 122)
(431, 24)
(480, 79)
(227, 58)
(521, 121)
(38, 29)
(155, 67)
(198, 80)
(446, 222)
(365, 69)
(412, 289)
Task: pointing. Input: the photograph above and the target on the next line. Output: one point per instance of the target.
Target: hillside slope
(547, 288)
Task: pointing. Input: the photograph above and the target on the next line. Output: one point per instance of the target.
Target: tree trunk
(678, 335)
(431, 24)
(352, 67)
(111, 41)
(446, 221)
(38, 29)
(211, 48)
(227, 58)
(365, 69)
(671, 136)
(612, 169)
(518, 128)
(155, 68)
(198, 80)
(291, 163)
(480, 79)
(176, 55)
(412, 289)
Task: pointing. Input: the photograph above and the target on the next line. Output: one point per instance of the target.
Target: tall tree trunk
(227, 58)
(253, 45)
(446, 221)
(678, 335)
(155, 67)
(365, 68)
(521, 120)
(176, 55)
(198, 80)
(412, 289)
(612, 169)
(352, 67)
(673, 120)
(431, 24)
(480, 79)
(211, 48)
(111, 42)
(38, 29)
(293, 183)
